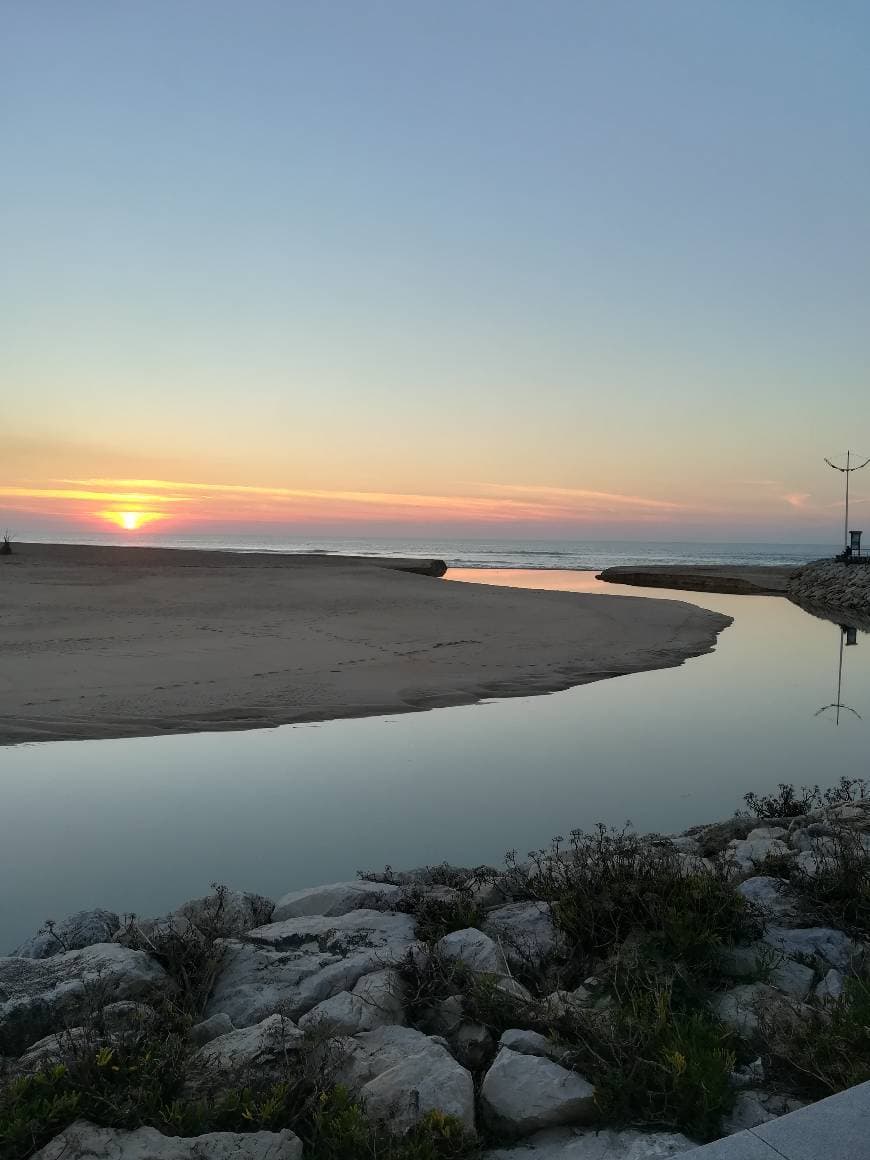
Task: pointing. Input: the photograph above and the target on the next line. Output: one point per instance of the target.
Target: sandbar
(99, 642)
(738, 579)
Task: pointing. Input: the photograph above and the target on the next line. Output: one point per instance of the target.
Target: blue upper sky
(438, 249)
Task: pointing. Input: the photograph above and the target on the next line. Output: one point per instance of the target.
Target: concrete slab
(836, 1127)
(743, 1146)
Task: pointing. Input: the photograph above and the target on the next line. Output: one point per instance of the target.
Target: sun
(130, 521)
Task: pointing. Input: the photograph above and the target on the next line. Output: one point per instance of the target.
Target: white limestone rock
(752, 852)
(295, 964)
(831, 986)
(261, 1054)
(762, 832)
(334, 899)
(738, 1008)
(521, 1094)
(400, 1075)
(587, 1144)
(832, 947)
(40, 996)
(202, 1033)
(84, 1141)
(787, 975)
(771, 895)
(531, 1043)
(376, 1001)
(524, 930)
(73, 933)
(473, 949)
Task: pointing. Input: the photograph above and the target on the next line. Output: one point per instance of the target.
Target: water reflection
(142, 824)
(848, 638)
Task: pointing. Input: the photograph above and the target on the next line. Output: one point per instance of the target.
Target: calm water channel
(144, 824)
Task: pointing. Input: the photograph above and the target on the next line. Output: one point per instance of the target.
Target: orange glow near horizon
(133, 503)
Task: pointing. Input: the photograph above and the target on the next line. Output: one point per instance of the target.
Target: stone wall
(832, 583)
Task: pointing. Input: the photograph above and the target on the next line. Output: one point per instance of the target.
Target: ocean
(562, 555)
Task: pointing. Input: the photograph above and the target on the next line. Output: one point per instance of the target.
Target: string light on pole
(847, 470)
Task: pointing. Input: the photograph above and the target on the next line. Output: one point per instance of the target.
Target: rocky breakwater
(832, 584)
(626, 997)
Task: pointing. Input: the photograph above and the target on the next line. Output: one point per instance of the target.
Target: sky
(560, 268)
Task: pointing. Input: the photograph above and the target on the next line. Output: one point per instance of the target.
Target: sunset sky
(559, 268)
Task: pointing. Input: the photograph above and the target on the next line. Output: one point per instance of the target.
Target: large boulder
(587, 1144)
(40, 996)
(84, 1141)
(227, 912)
(787, 975)
(832, 947)
(521, 1094)
(524, 930)
(401, 1074)
(740, 1008)
(262, 1054)
(334, 899)
(375, 1001)
(295, 964)
(771, 895)
(79, 930)
(472, 949)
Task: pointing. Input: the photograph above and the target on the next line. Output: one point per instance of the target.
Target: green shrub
(612, 885)
(435, 917)
(789, 802)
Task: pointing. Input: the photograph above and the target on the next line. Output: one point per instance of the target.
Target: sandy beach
(118, 642)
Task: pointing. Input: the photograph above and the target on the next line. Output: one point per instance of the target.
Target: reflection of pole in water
(848, 636)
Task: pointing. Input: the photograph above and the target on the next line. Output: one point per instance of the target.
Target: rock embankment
(833, 584)
(416, 1020)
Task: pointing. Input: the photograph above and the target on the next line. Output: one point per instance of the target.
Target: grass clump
(6, 545)
(436, 915)
(828, 1049)
(837, 889)
(659, 1061)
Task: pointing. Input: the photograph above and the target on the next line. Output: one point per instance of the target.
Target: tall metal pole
(846, 521)
(847, 471)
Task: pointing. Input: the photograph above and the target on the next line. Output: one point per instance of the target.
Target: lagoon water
(143, 824)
